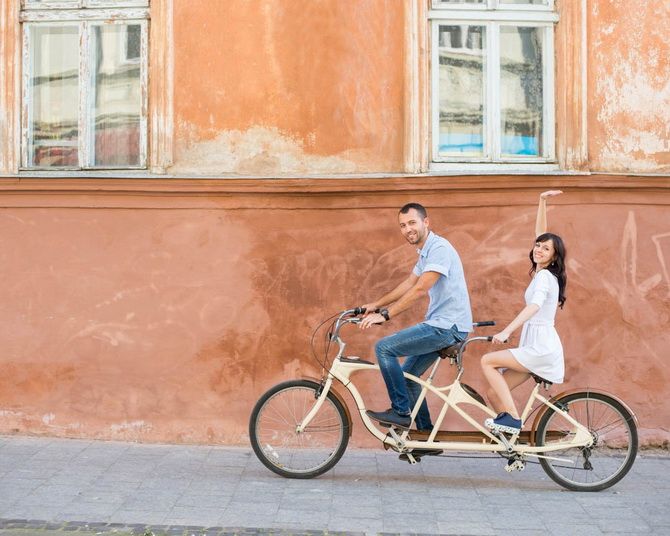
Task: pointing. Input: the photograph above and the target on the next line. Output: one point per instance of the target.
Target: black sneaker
(390, 417)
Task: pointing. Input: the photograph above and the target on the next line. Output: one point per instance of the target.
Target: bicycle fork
(322, 394)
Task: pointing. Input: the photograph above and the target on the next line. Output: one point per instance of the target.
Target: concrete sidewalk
(55, 485)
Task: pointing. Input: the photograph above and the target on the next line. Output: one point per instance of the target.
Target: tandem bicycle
(584, 439)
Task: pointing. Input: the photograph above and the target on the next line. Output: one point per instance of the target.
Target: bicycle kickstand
(400, 443)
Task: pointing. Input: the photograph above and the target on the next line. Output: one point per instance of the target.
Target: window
(492, 81)
(84, 84)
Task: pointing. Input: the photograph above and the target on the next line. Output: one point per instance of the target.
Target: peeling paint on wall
(256, 151)
(289, 87)
(630, 86)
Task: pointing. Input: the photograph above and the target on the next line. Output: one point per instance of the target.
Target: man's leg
(417, 340)
(417, 365)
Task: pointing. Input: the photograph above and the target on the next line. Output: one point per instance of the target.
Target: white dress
(540, 349)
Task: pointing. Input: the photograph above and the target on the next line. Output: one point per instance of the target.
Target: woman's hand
(502, 337)
(550, 193)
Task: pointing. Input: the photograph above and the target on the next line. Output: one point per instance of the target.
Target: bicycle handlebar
(350, 316)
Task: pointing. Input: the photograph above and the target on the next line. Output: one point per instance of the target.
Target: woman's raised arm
(541, 220)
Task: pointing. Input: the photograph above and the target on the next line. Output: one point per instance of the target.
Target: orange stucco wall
(629, 86)
(159, 308)
(288, 87)
(165, 321)
(317, 87)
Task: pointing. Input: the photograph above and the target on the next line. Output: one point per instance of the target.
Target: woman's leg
(502, 385)
(513, 378)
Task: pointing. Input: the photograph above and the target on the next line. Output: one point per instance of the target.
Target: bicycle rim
(289, 453)
(610, 457)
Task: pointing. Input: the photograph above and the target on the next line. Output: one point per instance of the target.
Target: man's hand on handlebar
(370, 319)
(367, 309)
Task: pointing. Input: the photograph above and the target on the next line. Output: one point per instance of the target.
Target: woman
(540, 351)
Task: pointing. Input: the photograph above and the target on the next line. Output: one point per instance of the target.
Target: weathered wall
(310, 88)
(629, 86)
(285, 87)
(165, 318)
(159, 310)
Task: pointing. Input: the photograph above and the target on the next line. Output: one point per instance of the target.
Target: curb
(154, 530)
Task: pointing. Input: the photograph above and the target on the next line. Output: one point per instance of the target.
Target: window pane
(462, 89)
(53, 96)
(521, 90)
(116, 98)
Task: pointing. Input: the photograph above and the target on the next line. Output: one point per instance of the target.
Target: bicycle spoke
(614, 442)
(275, 437)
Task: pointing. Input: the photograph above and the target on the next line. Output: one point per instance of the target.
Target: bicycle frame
(453, 396)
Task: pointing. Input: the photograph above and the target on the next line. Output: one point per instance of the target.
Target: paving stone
(131, 487)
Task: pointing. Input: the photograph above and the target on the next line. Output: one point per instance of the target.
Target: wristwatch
(385, 313)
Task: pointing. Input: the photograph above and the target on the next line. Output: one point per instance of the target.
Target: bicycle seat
(540, 379)
(451, 352)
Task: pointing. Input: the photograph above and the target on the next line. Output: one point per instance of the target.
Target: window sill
(485, 168)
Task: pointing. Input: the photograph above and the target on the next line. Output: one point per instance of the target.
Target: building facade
(188, 188)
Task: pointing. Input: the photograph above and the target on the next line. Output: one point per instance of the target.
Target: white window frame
(492, 15)
(86, 17)
(80, 4)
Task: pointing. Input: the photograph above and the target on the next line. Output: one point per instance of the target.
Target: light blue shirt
(449, 299)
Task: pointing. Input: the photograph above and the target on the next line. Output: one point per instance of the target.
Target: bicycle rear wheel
(272, 430)
(613, 451)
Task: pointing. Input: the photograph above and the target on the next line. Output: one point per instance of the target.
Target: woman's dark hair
(557, 266)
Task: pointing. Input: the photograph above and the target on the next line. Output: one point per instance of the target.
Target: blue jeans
(420, 344)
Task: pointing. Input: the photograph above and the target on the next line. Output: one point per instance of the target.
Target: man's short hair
(416, 206)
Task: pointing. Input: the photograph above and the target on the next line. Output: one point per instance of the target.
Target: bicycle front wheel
(614, 446)
(278, 445)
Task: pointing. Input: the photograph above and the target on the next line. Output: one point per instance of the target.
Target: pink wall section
(157, 307)
(166, 325)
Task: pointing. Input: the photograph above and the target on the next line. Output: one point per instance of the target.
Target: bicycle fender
(337, 395)
(554, 398)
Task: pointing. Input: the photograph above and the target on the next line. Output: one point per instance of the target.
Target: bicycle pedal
(516, 465)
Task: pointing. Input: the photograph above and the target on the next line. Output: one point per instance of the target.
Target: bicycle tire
(615, 446)
(273, 436)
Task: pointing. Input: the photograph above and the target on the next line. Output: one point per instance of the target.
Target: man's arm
(419, 289)
(392, 296)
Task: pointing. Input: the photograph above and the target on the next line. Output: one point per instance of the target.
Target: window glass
(53, 94)
(521, 91)
(116, 95)
(461, 90)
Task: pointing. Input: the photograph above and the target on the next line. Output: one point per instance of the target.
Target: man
(438, 273)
